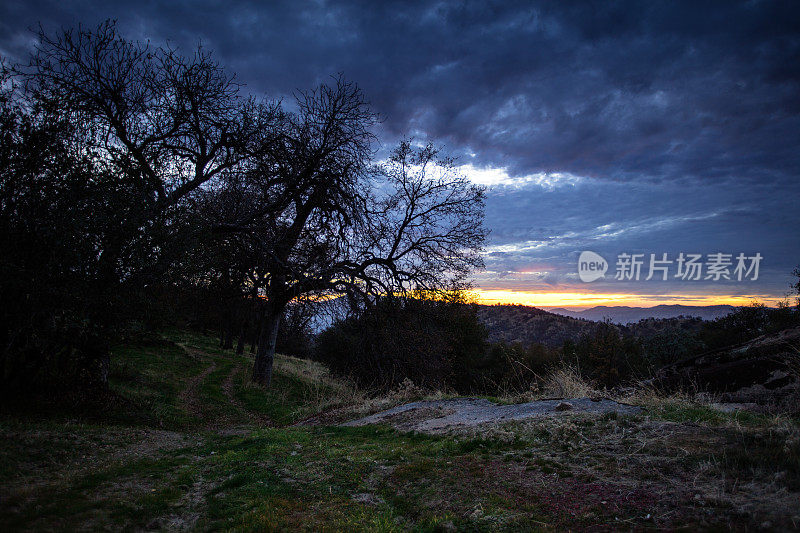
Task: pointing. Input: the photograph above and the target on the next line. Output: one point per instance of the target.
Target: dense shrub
(510, 368)
(671, 345)
(434, 343)
(443, 345)
(606, 356)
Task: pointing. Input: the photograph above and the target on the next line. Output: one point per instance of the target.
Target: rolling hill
(525, 324)
(624, 314)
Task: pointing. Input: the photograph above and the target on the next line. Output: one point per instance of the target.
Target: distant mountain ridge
(625, 314)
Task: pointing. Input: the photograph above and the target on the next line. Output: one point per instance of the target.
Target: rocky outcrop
(764, 371)
(442, 416)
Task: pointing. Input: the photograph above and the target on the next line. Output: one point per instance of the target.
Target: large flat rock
(437, 416)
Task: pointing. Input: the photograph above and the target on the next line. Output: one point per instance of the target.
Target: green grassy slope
(185, 381)
(193, 446)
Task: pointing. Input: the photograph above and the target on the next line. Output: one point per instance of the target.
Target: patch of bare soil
(410, 419)
(643, 473)
(329, 417)
(186, 511)
(333, 416)
(441, 416)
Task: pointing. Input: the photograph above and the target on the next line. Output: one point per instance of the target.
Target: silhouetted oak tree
(142, 129)
(330, 222)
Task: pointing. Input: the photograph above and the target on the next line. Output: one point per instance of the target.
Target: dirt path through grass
(237, 415)
(228, 389)
(79, 456)
(189, 397)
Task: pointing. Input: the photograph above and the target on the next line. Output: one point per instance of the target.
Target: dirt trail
(439, 416)
(188, 396)
(190, 399)
(227, 390)
(106, 449)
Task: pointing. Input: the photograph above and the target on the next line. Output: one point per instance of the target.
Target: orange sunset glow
(577, 299)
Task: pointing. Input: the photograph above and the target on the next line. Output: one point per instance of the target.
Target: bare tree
(329, 222)
(172, 121)
(158, 146)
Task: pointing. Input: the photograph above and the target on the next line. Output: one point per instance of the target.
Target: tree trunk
(242, 335)
(262, 369)
(258, 319)
(228, 344)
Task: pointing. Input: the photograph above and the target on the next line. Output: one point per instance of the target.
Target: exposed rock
(764, 372)
(564, 406)
(439, 416)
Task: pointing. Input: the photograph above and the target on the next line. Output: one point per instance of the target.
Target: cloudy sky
(617, 127)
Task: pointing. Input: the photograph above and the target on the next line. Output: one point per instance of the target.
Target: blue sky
(639, 127)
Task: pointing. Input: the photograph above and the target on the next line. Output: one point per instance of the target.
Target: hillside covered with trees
(527, 325)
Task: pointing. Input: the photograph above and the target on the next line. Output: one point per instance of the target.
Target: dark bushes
(435, 344)
(747, 323)
(438, 345)
(606, 356)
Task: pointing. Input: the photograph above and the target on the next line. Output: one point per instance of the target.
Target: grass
(150, 376)
(300, 389)
(193, 445)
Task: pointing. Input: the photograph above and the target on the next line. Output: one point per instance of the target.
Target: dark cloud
(536, 229)
(620, 90)
(681, 118)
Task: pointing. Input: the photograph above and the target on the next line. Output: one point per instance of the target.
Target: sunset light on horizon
(586, 300)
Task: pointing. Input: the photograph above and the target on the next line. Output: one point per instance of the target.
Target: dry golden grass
(567, 382)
